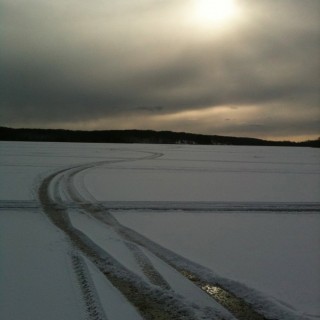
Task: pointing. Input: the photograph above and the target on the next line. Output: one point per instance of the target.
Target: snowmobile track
(156, 301)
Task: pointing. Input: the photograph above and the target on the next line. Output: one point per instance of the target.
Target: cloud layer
(148, 64)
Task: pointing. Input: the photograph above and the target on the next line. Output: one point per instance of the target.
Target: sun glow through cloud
(215, 12)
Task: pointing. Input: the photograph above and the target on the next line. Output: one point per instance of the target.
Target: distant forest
(139, 136)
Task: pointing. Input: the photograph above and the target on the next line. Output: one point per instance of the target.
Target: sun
(215, 12)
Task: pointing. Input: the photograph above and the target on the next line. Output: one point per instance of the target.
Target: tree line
(138, 136)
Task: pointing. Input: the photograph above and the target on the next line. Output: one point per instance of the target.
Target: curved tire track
(152, 303)
(127, 282)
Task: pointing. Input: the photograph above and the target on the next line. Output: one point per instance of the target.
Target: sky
(229, 67)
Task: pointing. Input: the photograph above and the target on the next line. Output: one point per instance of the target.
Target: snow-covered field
(109, 231)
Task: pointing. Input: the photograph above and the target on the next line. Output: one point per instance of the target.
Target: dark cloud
(150, 108)
(80, 62)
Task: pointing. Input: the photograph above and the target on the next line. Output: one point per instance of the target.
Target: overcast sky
(163, 65)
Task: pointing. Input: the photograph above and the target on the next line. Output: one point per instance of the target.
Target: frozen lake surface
(243, 218)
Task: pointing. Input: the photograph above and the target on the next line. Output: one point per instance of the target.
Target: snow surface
(107, 239)
(36, 281)
(115, 306)
(276, 252)
(110, 241)
(212, 173)
(22, 163)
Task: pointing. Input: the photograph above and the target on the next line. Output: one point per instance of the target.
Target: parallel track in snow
(152, 303)
(238, 207)
(58, 196)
